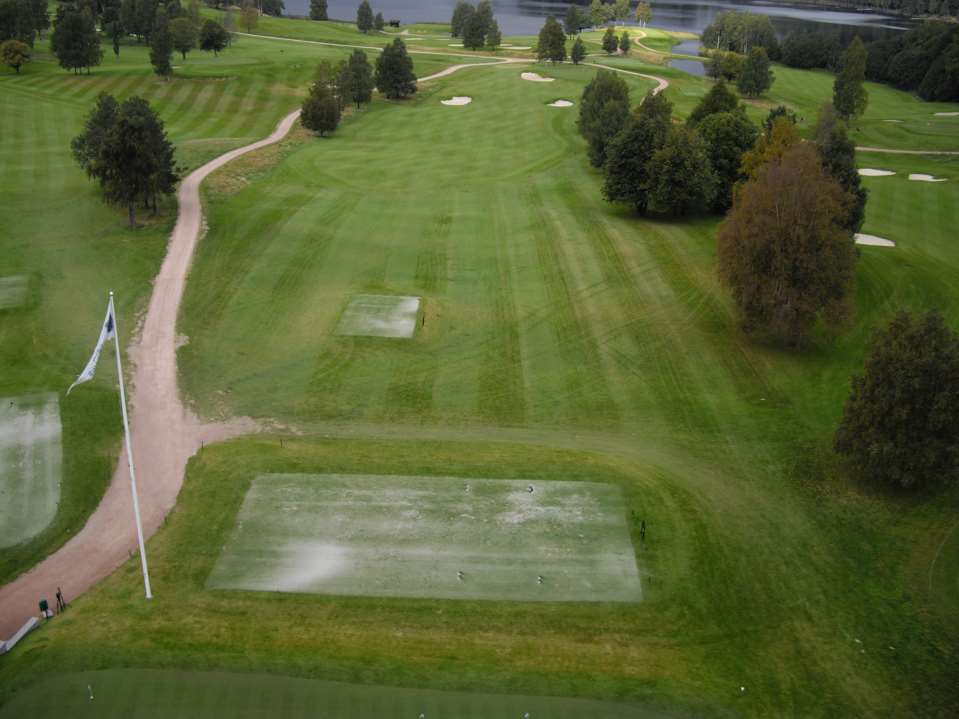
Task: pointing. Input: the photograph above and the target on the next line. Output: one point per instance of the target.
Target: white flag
(106, 333)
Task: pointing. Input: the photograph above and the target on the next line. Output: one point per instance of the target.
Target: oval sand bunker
(922, 177)
(535, 77)
(458, 100)
(873, 241)
(561, 103)
(870, 172)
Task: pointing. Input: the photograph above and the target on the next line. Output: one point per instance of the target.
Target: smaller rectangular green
(441, 537)
(380, 316)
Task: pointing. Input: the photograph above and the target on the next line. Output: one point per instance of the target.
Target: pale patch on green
(30, 460)
(380, 316)
(444, 537)
(13, 291)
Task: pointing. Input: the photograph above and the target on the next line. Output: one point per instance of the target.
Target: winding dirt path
(165, 433)
(662, 82)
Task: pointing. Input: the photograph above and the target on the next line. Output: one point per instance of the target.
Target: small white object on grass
(560, 103)
(458, 100)
(947, 114)
(530, 489)
(539, 578)
(742, 690)
(90, 689)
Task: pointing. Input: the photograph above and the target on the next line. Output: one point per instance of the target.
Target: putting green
(169, 694)
(444, 537)
(30, 458)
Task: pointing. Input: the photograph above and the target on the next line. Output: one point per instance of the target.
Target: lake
(525, 17)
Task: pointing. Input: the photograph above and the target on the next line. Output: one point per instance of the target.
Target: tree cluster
(601, 13)
(475, 25)
(336, 86)
(924, 60)
(736, 31)
(124, 147)
(365, 19)
(752, 72)
(318, 10)
(23, 20)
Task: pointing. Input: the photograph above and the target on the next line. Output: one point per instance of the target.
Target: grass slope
(55, 230)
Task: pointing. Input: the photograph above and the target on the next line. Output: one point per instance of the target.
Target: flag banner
(106, 333)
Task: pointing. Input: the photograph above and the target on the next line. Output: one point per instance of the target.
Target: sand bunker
(873, 241)
(458, 100)
(870, 172)
(561, 103)
(516, 47)
(455, 44)
(922, 177)
(947, 114)
(534, 77)
(892, 120)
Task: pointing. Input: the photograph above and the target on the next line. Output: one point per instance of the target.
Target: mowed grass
(178, 695)
(71, 249)
(564, 339)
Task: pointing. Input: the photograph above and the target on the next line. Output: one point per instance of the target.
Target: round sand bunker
(922, 177)
(458, 100)
(870, 172)
(560, 103)
(535, 77)
(873, 240)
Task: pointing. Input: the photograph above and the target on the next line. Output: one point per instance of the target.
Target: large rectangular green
(443, 537)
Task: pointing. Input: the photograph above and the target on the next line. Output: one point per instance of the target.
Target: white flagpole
(126, 432)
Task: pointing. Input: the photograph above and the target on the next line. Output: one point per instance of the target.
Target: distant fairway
(145, 694)
(444, 537)
(30, 459)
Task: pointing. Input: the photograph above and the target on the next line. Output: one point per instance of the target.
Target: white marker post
(126, 432)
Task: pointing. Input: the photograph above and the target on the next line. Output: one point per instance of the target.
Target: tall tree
(362, 77)
(644, 13)
(552, 41)
(318, 10)
(578, 53)
(849, 97)
(364, 17)
(75, 41)
(321, 110)
(161, 46)
(378, 22)
(756, 76)
(900, 426)
(626, 171)
(682, 180)
(838, 155)
(624, 43)
(475, 27)
(213, 37)
(719, 99)
(460, 14)
(394, 71)
(610, 43)
(493, 35)
(183, 33)
(728, 136)
(603, 110)
(782, 249)
(15, 54)
(573, 22)
(620, 9)
(597, 13)
(272, 7)
(249, 15)
(771, 146)
(110, 23)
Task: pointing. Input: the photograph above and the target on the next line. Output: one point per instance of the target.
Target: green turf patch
(30, 457)
(13, 291)
(152, 693)
(379, 316)
(442, 537)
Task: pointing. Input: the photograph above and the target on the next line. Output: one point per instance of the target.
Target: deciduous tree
(161, 45)
(597, 13)
(183, 32)
(213, 36)
(15, 54)
(728, 136)
(719, 99)
(362, 77)
(838, 155)
(610, 43)
(74, 40)
(321, 110)
(900, 426)
(644, 13)
(682, 180)
(552, 41)
(597, 123)
(573, 22)
(578, 52)
(493, 36)
(756, 76)
(394, 71)
(783, 251)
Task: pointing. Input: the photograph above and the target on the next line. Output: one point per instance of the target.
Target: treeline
(911, 8)
(924, 60)
(476, 25)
